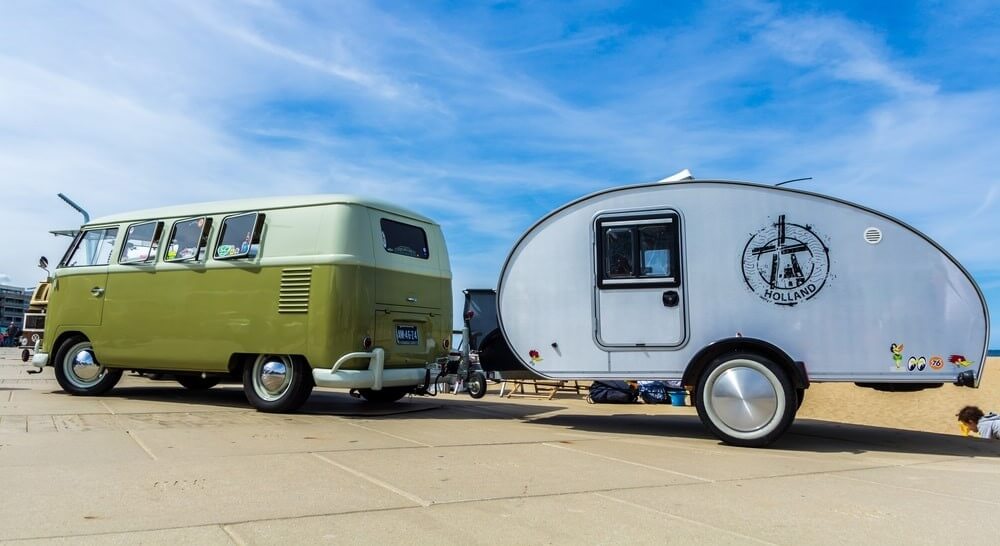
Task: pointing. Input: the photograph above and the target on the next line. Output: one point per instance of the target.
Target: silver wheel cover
(744, 399)
(81, 367)
(475, 386)
(272, 376)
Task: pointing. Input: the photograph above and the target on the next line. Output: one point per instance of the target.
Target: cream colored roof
(259, 203)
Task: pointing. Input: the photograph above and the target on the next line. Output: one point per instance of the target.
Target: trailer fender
(796, 370)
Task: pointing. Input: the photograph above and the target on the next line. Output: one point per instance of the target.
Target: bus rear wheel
(78, 370)
(277, 383)
(746, 399)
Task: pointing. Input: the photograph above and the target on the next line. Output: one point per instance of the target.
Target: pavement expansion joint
(385, 485)
(389, 434)
(915, 489)
(136, 439)
(632, 463)
(233, 535)
(681, 518)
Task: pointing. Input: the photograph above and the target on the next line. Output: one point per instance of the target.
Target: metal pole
(86, 217)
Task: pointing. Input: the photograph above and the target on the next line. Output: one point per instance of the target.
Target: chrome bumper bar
(374, 378)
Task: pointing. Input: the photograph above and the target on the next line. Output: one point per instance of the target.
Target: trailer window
(638, 251)
(141, 243)
(92, 247)
(400, 238)
(619, 254)
(239, 236)
(188, 240)
(654, 251)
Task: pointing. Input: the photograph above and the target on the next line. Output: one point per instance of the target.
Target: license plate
(406, 335)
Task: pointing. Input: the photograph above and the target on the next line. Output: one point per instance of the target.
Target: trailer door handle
(97, 291)
(671, 298)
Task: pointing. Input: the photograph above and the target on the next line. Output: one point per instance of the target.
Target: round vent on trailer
(873, 235)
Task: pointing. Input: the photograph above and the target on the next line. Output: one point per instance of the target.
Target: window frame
(154, 243)
(258, 227)
(206, 231)
(385, 240)
(78, 240)
(633, 223)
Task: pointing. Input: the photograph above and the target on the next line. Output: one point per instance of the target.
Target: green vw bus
(284, 293)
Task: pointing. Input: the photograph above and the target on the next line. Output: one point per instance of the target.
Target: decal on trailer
(897, 354)
(916, 364)
(936, 363)
(960, 361)
(785, 263)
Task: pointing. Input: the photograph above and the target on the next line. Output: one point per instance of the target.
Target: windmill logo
(786, 263)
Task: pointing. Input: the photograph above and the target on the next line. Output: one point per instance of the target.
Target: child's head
(970, 416)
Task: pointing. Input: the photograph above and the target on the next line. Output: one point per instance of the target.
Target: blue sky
(486, 116)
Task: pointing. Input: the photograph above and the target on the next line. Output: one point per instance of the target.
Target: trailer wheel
(197, 382)
(385, 396)
(477, 385)
(745, 399)
(277, 383)
(78, 371)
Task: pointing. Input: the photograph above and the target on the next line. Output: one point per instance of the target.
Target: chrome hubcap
(744, 399)
(272, 376)
(84, 365)
(81, 367)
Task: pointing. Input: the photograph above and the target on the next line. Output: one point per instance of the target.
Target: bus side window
(141, 243)
(404, 239)
(239, 236)
(91, 247)
(188, 240)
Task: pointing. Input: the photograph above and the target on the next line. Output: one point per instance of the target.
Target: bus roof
(255, 204)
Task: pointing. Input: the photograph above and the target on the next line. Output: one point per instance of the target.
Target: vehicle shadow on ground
(805, 435)
(333, 403)
(227, 397)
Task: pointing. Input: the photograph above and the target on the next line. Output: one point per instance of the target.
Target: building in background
(13, 303)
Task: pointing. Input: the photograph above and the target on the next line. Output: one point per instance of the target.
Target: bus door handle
(97, 291)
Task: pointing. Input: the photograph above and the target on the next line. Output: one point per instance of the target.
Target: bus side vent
(293, 297)
(873, 235)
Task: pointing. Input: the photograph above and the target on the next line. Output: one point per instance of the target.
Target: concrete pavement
(153, 463)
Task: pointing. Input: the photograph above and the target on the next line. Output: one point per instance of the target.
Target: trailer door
(639, 294)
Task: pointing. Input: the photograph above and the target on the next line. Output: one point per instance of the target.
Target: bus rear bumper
(375, 377)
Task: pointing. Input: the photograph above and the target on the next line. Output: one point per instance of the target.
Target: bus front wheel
(277, 383)
(78, 370)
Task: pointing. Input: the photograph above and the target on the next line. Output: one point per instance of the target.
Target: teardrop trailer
(282, 293)
(746, 293)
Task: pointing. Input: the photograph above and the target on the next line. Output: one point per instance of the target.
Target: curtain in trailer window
(654, 251)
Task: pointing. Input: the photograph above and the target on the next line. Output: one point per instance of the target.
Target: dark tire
(78, 371)
(477, 385)
(745, 399)
(197, 382)
(277, 383)
(385, 396)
